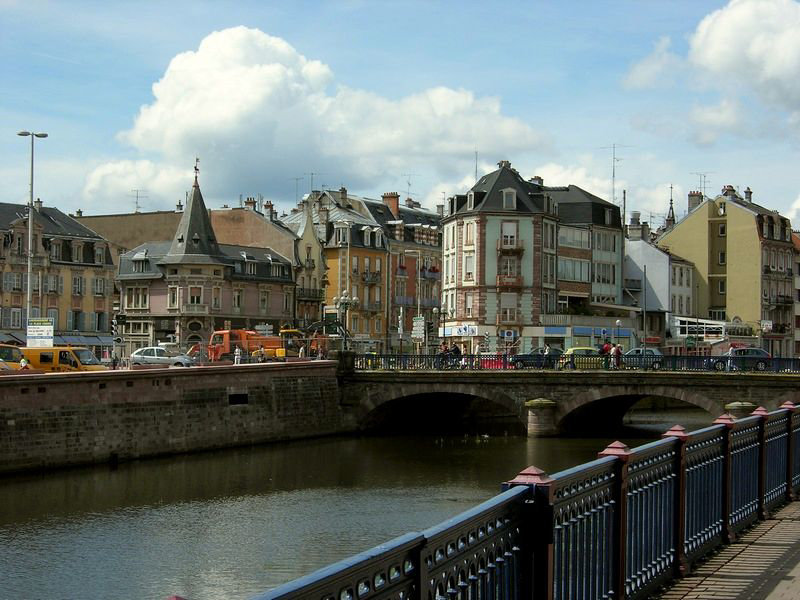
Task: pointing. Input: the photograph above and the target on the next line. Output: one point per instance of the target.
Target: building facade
(743, 256)
(72, 283)
(184, 289)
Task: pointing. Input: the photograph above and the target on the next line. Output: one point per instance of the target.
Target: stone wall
(56, 420)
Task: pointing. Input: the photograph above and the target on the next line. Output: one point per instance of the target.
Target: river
(233, 523)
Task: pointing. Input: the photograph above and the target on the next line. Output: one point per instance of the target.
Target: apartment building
(73, 277)
(743, 256)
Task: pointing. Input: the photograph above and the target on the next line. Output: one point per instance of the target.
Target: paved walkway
(763, 564)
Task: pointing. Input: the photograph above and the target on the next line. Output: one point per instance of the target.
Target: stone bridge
(551, 402)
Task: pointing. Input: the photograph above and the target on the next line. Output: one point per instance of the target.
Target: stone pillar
(740, 409)
(542, 417)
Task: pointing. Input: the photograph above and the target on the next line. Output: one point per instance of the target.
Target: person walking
(237, 355)
(301, 353)
(618, 356)
(548, 357)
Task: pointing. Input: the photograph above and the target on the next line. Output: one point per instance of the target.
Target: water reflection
(233, 523)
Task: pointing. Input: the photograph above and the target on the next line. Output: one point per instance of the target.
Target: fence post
(728, 421)
(619, 533)
(762, 413)
(681, 565)
(789, 406)
(537, 556)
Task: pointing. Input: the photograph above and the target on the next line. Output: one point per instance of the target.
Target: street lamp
(33, 136)
(619, 323)
(343, 304)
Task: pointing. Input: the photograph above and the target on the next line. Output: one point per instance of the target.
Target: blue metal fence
(616, 527)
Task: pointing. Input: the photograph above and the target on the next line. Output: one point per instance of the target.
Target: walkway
(763, 564)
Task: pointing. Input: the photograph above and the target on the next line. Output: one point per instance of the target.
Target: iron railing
(471, 362)
(617, 527)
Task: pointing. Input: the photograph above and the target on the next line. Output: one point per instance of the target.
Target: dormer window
(367, 237)
(55, 250)
(341, 235)
(196, 239)
(378, 238)
(470, 200)
(509, 199)
(139, 262)
(99, 255)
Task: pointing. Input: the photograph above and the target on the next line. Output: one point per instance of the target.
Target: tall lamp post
(33, 136)
(619, 323)
(343, 304)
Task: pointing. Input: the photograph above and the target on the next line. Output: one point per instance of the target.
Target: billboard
(40, 333)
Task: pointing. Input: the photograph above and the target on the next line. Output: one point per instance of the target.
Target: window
(52, 313)
(721, 258)
(672, 303)
(263, 301)
(354, 323)
(366, 236)
(55, 250)
(571, 269)
(99, 286)
(354, 261)
(721, 208)
(285, 302)
(16, 318)
(469, 267)
(20, 245)
(508, 266)
(509, 199)
(722, 286)
(99, 255)
(136, 297)
(468, 304)
(77, 285)
(549, 232)
(341, 236)
(680, 305)
(195, 294)
(470, 200)
(378, 325)
(237, 299)
(250, 268)
(173, 297)
(377, 266)
(216, 295)
(509, 234)
(680, 276)
(674, 275)
(469, 236)
(722, 230)
(573, 237)
(378, 239)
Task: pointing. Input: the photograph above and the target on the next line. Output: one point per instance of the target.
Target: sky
(654, 98)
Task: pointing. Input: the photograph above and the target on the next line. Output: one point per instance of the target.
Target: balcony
(194, 309)
(514, 246)
(509, 281)
(514, 318)
(780, 299)
(433, 275)
(371, 276)
(633, 285)
(430, 302)
(371, 306)
(401, 272)
(21, 259)
(403, 300)
(310, 294)
(608, 323)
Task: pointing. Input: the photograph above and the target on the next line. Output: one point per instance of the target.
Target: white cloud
(712, 121)
(658, 68)
(754, 43)
(793, 213)
(258, 113)
(116, 180)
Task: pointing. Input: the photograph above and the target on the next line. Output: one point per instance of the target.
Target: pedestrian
(23, 364)
(605, 350)
(547, 356)
(114, 362)
(464, 356)
(618, 356)
(237, 355)
(301, 353)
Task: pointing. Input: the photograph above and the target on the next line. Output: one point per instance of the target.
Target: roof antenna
(703, 180)
(408, 182)
(137, 194)
(614, 161)
(476, 165)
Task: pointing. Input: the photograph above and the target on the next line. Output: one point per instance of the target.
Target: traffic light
(114, 327)
(486, 340)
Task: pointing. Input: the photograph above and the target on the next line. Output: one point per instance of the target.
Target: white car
(155, 355)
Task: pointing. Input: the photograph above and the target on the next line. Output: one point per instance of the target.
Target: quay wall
(58, 420)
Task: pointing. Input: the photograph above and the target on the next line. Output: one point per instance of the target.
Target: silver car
(155, 355)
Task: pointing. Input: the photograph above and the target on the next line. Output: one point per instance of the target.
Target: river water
(233, 523)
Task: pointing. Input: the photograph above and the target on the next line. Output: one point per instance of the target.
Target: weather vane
(196, 168)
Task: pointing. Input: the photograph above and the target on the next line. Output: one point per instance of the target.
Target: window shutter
(24, 318)
(60, 284)
(6, 318)
(7, 284)
(70, 320)
(24, 282)
(92, 321)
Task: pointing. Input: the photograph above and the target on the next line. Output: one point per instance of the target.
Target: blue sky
(363, 94)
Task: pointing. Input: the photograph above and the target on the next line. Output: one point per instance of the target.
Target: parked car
(582, 357)
(156, 355)
(741, 359)
(10, 355)
(643, 358)
(536, 359)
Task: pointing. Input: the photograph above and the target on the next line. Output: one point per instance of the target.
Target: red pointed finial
(760, 411)
(676, 431)
(529, 476)
(617, 449)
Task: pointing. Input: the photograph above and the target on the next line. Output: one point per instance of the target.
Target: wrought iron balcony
(514, 246)
(195, 309)
(509, 281)
(371, 306)
(433, 275)
(312, 294)
(403, 300)
(371, 276)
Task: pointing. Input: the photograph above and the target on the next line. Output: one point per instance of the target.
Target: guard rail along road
(619, 527)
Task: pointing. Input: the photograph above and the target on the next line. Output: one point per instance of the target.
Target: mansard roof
(576, 205)
(194, 241)
(52, 221)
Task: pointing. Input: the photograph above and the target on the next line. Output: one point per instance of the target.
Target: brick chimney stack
(392, 200)
(695, 199)
(748, 194)
(250, 203)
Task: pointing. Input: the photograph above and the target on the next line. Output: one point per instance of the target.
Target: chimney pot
(38, 204)
(537, 180)
(78, 213)
(748, 194)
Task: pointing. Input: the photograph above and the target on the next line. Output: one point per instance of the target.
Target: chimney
(323, 215)
(537, 180)
(695, 199)
(729, 191)
(440, 210)
(38, 204)
(250, 203)
(343, 194)
(409, 202)
(635, 227)
(646, 231)
(78, 213)
(748, 194)
(268, 210)
(635, 214)
(179, 207)
(392, 200)
(504, 163)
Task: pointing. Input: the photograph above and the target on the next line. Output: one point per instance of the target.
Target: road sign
(418, 330)
(40, 333)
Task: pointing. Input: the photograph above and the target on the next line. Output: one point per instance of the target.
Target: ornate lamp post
(33, 136)
(343, 303)
(616, 337)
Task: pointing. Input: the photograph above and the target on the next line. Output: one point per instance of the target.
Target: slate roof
(194, 241)
(577, 206)
(357, 231)
(54, 222)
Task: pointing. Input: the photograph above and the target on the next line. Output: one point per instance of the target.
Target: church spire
(670, 222)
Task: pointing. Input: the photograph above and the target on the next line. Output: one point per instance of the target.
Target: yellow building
(72, 279)
(742, 253)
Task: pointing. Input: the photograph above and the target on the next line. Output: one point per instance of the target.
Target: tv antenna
(614, 161)
(137, 194)
(703, 180)
(297, 181)
(311, 180)
(408, 177)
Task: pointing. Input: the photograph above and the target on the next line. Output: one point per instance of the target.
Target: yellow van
(63, 358)
(10, 355)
